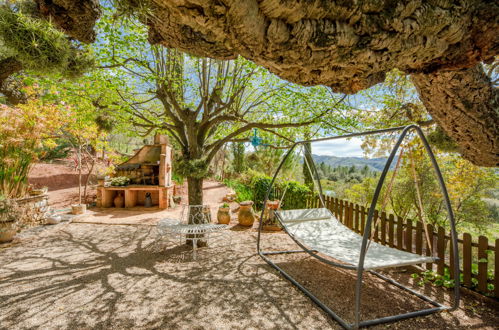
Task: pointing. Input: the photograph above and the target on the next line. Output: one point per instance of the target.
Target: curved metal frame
(360, 268)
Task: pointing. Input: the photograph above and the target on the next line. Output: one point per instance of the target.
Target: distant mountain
(376, 164)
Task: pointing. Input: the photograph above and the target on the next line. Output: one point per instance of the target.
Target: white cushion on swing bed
(318, 229)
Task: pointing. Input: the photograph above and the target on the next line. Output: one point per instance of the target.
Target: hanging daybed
(318, 232)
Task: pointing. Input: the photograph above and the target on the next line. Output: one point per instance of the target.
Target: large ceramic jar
(270, 223)
(119, 201)
(223, 215)
(246, 217)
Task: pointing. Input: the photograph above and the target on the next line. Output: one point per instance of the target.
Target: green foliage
(23, 130)
(60, 151)
(296, 196)
(192, 168)
(131, 9)
(120, 181)
(260, 185)
(447, 282)
(349, 174)
(307, 166)
(177, 178)
(243, 192)
(39, 46)
(238, 156)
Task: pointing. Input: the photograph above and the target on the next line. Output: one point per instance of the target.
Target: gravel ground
(82, 276)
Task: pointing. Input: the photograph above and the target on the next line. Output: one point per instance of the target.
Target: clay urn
(223, 214)
(246, 217)
(119, 201)
(270, 222)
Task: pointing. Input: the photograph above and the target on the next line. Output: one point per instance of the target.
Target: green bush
(296, 195)
(61, 151)
(254, 186)
(260, 185)
(243, 192)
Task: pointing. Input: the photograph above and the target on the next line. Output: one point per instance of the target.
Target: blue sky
(339, 148)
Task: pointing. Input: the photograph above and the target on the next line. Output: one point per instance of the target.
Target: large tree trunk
(195, 197)
(195, 191)
(466, 106)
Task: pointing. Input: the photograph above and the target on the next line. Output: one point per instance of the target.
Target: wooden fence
(479, 258)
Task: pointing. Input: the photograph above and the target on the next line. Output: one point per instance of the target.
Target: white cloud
(339, 148)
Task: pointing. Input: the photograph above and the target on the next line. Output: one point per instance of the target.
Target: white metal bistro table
(191, 232)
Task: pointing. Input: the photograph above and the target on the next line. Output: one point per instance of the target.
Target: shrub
(260, 185)
(23, 130)
(296, 195)
(243, 192)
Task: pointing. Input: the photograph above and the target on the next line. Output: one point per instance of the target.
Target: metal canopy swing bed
(317, 232)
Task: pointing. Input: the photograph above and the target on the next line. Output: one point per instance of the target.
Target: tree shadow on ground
(86, 276)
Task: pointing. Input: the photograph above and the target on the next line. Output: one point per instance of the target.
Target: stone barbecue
(149, 171)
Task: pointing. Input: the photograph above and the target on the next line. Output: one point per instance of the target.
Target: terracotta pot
(269, 220)
(246, 217)
(223, 215)
(78, 208)
(274, 205)
(119, 201)
(7, 231)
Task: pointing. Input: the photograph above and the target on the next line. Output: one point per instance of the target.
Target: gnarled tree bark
(466, 107)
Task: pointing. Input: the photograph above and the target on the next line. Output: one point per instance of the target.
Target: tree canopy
(348, 46)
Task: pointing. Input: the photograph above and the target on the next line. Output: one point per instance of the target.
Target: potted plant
(223, 214)
(120, 181)
(9, 213)
(269, 220)
(246, 217)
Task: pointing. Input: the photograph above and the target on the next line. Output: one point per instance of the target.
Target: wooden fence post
(483, 244)
(408, 236)
(496, 269)
(441, 250)
(467, 260)
(336, 207)
(391, 224)
(356, 219)
(400, 231)
(383, 228)
(362, 219)
(428, 247)
(419, 237)
(341, 211)
(376, 226)
(350, 215)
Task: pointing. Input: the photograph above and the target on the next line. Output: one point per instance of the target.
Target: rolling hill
(376, 164)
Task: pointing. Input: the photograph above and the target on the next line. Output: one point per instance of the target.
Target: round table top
(174, 225)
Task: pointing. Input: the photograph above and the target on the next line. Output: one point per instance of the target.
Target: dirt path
(62, 182)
